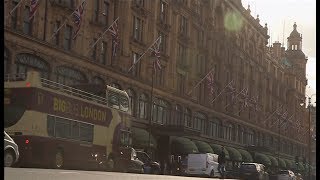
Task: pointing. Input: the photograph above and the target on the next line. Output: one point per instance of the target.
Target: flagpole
(143, 54)
(221, 91)
(10, 13)
(272, 114)
(200, 81)
(102, 35)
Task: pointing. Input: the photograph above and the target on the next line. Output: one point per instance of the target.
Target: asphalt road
(54, 174)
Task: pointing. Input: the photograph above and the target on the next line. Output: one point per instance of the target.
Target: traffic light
(297, 159)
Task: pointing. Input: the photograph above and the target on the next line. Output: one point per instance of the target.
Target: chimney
(276, 50)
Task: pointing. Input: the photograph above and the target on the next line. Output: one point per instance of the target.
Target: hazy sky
(280, 16)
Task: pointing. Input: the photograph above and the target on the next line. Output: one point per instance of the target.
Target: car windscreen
(248, 168)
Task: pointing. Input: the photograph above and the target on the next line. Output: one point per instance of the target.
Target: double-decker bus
(58, 126)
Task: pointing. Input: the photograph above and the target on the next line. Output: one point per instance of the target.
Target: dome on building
(295, 33)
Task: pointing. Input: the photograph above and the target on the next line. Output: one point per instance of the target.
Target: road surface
(54, 174)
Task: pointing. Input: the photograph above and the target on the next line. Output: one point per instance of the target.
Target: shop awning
(203, 147)
(246, 156)
(301, 167)
(282, 163)
(288, 164)
(140, 139)
(182, 146)
(217, 150)
(274, 161)
(234, 154)
(262, 158)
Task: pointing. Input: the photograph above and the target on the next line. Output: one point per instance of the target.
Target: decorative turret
(295, 39)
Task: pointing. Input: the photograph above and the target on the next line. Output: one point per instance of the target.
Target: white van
(203, 165)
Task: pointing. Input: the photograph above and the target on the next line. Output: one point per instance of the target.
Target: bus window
(124, 103)
(113, 99)
(50, 125)
(86, 132)
(63, 128)
(12, 114)
(75, 127)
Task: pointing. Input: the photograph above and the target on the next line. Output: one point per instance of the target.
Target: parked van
(205, 164)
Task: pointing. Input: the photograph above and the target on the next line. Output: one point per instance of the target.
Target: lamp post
(309, 137)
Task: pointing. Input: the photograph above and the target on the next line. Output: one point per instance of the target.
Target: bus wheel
(58, 160)
(9, 158)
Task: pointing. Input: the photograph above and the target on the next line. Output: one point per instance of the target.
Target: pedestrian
(222, 161)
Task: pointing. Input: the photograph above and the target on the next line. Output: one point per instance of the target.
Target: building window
(183, 25)
(69, 76)
(67, 38)
(106, 13)
(182, 55)
(27, 24)
(181, 83)
(160, 111)
(137, 29)
(132, 100)
(14, 16)
(163, 44)
(96, 11)
(26, 62)
(163, 11)
(57, 34)
(136, 68)
(201, 39)
(143, 104)
(139, 3)
(103, 57)
(201, 66)
(213, 129)
(94, 51)
(199, 122)
(178, 116)
(67, 3)
(159, 76)
(187, 118)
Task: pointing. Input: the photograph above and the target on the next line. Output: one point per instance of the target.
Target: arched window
(160, 111)
(69, 76)
(143, 104)
(187, 117)
(6, 61)
(25, 62)
(98, 80)
(116, 85)
(132, 101)
(178, 115)
(213, 129)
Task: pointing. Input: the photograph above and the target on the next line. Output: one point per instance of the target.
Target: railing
(15, 77)
(73, 91)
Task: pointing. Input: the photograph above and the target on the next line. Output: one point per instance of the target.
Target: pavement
(55, 174)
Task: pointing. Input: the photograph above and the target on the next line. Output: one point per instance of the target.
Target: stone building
(196, 36)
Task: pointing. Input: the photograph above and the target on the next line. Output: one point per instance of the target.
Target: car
(203, 164)
(150, 166)
(286, 175)
(126, 160)
(253, 171)
(11, 151)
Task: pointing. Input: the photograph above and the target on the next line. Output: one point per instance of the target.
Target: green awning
(274, 161)
(140, 138)
(282, 163)
(246, 156)
(301, 167)
(262, 158)
(203, 147)
(288, 164)
(234, 154)
(217, 150)
(182, 146)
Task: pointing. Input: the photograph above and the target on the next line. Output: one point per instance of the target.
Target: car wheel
(212, 174)
(9, 158)
(58, 160)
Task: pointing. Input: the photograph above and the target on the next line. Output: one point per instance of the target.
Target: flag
(77, 14)
(114, 31)
(244, 95)
(33, 8)
(278, 111)
(155, 48)
(230, 89)
(284, 115)
(210, 80)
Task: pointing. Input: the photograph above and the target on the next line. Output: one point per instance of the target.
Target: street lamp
(309, 138)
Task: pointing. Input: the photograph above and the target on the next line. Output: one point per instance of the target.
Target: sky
(280, 16)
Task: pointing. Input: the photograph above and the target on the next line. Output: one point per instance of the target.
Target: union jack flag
(210, 79)
(33, 8)
(156, 52)
(245, 96)
(231, 90)
(114, 31)
(77, 14)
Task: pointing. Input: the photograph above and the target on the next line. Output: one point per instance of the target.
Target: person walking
(222, 161)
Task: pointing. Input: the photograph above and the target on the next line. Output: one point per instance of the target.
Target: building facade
(196, 36)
